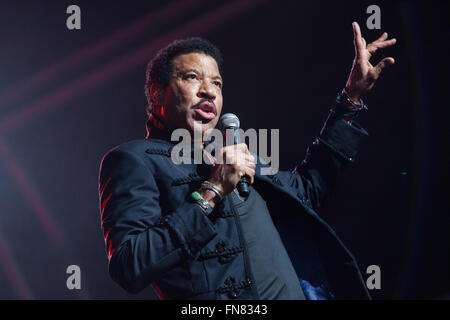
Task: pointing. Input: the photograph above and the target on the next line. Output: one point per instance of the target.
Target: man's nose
(206, 91)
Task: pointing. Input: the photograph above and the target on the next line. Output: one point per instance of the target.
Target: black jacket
(154, 235)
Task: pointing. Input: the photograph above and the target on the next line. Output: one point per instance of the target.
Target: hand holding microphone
(237, 165)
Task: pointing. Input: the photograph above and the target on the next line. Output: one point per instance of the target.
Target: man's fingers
(383, 44)
(387, 43)
(250, 161)
(242, 146)
(358, 40)
(374, 46)
(382, 37)
(251, 174)
(382, 65)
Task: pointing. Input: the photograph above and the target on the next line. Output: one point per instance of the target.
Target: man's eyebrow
(190, 70)
(198, 72)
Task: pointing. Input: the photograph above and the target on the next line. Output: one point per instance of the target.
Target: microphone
(231, 121)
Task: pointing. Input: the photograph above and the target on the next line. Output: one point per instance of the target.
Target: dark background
(67, 97)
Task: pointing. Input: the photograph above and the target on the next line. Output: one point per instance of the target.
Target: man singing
(186, 230)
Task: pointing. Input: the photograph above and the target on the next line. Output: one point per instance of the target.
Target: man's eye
(191, 76)
(218, 83)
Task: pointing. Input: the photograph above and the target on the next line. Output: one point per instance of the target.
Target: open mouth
(206, 110)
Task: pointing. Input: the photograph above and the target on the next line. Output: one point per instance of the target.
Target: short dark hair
(159, 69)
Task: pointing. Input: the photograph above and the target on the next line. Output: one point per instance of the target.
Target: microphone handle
(244, 182)
(242, 187)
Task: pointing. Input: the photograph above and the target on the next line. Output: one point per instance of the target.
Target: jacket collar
(157, 129)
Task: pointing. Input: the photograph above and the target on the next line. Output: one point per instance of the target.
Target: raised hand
(363, 74)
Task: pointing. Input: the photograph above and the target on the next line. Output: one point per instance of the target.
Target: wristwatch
(198, 199)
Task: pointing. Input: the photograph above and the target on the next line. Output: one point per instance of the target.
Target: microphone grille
(229, 120)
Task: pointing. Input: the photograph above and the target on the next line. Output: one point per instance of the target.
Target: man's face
(194, 93)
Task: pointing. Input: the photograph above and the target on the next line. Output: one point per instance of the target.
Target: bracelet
(344, 111)
(198, 199)
(208, 185)
(355, 106)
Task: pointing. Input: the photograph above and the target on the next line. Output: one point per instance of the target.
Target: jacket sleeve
(141, 243)
(314, 178)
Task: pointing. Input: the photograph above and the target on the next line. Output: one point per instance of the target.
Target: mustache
(203, 101)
